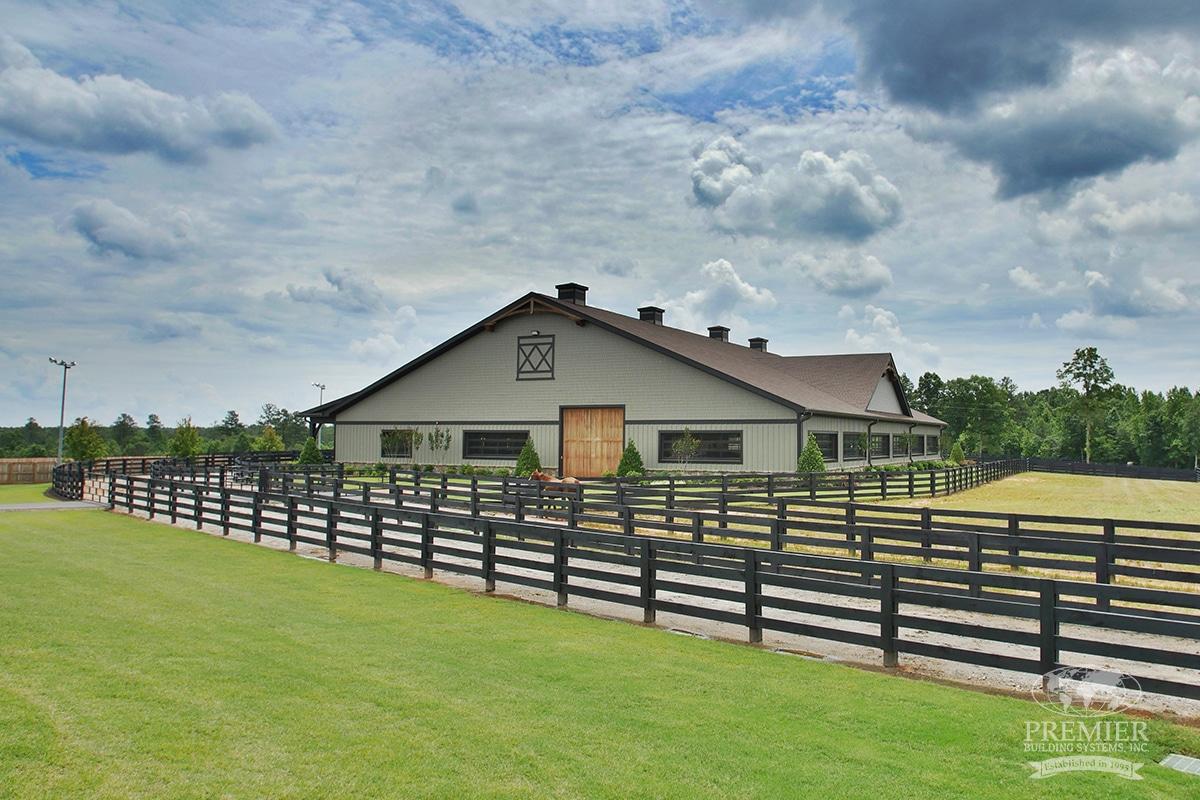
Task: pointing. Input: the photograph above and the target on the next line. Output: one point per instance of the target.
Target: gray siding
(474, 385)
(765, 447)
(360, 443)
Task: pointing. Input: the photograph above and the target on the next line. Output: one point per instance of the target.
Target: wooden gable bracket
(533, 306)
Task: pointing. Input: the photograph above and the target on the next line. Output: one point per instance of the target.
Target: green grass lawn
(1077, 495)
(24, 493)
(139, 660)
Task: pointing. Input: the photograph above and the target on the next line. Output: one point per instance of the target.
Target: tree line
(1088, 416)
(275, 429)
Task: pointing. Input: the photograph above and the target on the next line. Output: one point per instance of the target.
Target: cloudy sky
(212, 205)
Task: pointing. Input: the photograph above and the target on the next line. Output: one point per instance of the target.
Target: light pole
(321, 401)
(62, 408)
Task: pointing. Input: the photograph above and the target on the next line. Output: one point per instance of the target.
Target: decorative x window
(535, 358)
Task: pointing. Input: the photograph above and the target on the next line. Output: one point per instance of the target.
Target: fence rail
(1026, 624)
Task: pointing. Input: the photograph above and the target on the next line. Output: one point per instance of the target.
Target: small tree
(185, 442)
(956, 453)
(310, 454)
(528, 461)
(811, 459)
(439, 442)
(631, 461)
(268, 441)
(684, 448)
(83, 441)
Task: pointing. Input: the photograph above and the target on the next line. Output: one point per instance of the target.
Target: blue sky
(212, 206)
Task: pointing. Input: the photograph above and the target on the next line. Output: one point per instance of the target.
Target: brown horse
(564, 486)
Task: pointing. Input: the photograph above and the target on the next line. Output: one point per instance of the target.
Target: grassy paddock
(1077, 495)
(138, 660)
(24, 493)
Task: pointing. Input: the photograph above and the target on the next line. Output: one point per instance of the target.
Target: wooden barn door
(592, 439)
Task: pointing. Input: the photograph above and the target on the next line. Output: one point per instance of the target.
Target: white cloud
(113, 114)
(393, 343)
(847, 273)
(110, 229)
(1086, 323)
(1023, 278)
(1093, 213)
(721, 295)
(842, 198)
(879, 330)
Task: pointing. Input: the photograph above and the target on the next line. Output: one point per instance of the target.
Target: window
(828, 444)
(500, 445)
(395, 444)
(918, 445)
(932, 446)
(713, 447)
(852, 446)
(535, 358)
(880, 446)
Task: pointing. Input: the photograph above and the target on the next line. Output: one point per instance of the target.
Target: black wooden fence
(1156, 554)
(1011, 622)
(1107, 470)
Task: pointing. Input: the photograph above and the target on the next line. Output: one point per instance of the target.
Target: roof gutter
(870, 425)
(910, 442)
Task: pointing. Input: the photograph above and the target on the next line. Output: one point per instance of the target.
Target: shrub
(502, 472)
(83, 442)
(811, 459)
(381, 468)
(528, 461)
(608, 473)
(631, 461)
(268, 441)
(185, 442)
(310, 454)
(956, 454)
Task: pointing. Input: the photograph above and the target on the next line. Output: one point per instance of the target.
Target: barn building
(582, 381)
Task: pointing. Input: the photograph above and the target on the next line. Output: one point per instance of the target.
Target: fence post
(647, 587)
(883, 481)
(1048, 630)
(473, 502)
(331, 515)
(376, 539)
(520, 512)
(1014, 547)
(426, 546)
(752, 588)
(933, 483)
(974, 560)
(198, 507)
(697, 529)
(224, 495)
(112, 492)
(912, 487)
(887, 614)
(867, 551)
(926, 534)
(812, 486)
(256, 516)
(560, 568)
(850, 477)
(290, 523)
(488, 557)
(366, 494)
(850, 529)
(627, 520)
(1103, 560)
(173, 501)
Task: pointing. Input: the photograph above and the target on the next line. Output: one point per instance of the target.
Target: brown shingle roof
(835, 384)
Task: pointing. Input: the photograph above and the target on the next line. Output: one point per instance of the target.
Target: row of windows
(705, 447)
(492, 445)
(882, 445)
